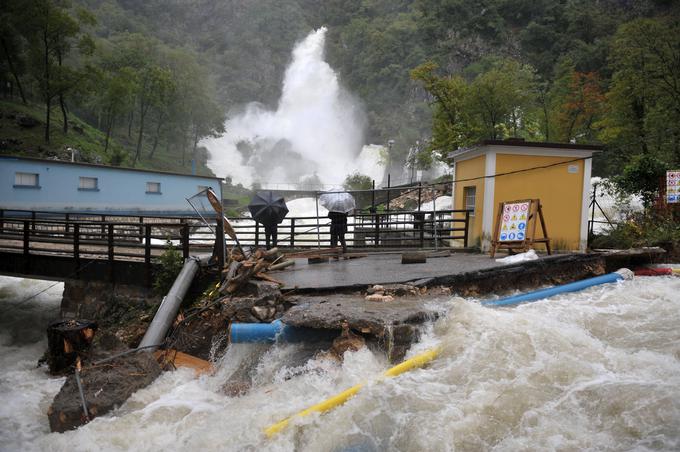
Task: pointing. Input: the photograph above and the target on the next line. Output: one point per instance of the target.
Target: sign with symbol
(514, 219)
(673, 187)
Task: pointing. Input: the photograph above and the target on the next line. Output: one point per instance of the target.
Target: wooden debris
(413, 258)
(241, 270)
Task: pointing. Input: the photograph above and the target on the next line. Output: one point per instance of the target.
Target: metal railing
(143, 237)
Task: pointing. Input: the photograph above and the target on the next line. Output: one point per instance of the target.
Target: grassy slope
(29, 142)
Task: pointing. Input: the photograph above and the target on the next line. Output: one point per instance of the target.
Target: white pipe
(167, 311)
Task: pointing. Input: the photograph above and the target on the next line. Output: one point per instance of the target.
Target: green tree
(50, 31)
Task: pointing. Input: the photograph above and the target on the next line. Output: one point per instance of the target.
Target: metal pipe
(241, 333)
(167, 311)
(623, 273)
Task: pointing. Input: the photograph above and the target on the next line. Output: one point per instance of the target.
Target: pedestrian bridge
(123, 249)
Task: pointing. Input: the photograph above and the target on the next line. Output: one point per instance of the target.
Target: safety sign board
(514, 221)
(673, 186)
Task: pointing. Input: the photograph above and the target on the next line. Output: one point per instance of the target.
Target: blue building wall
(119, 190)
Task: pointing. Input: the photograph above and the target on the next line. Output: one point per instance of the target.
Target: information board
(514, 221)
(515, 227)
(673, 186)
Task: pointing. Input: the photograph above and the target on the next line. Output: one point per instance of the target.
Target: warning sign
(514, 221)
(673, 186)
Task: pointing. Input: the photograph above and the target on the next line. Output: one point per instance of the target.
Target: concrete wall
(119, 190)
(468, 169)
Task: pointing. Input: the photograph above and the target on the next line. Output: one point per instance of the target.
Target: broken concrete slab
(393, 325)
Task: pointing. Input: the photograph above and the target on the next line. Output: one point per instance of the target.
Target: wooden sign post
(516, 226)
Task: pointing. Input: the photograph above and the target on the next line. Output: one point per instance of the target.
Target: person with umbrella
(338, 205)
(269, 210)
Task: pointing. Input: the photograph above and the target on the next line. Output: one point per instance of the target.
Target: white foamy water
(595, 370)
(316, 129)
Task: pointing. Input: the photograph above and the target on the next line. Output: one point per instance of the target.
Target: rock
(261, 313)
(400, 289)
(375, 289)
(105, 386)
(379, 297)
(347, 341)
(262, 290)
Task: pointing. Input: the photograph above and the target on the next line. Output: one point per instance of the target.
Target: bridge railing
(139, 237)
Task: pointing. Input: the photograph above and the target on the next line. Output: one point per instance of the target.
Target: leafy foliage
(169, 264)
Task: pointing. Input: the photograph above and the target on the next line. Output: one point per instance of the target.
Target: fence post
(292, 232)
(33, 221)
(110, 243)
(103, 226)
(185, 241)
(141, 228)
(376, 216)
(26, 237)
(147, 254)
(420, 188)
(76, 247)
(257, 234)
(467, 228)
(2, 222)
(67, 218)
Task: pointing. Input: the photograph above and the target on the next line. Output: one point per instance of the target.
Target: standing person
(338, 229)
(270, 232)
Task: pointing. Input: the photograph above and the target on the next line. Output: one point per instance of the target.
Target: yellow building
(495, 171)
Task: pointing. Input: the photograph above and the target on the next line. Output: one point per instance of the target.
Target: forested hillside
(157, 76)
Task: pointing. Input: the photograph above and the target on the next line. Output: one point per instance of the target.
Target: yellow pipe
(328, 404)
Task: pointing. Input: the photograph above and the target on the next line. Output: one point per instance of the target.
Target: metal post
(592, 215)
(219, 238)
(318, 226)
(257, 234)
(373, 197)
(103, 226)
(292, 232)
(376, 215)
(467, 225)
(185, 241)
(141, 228)
(147, 254)
(110, 243)
(76, 247)
(26, 237)
(67, 217)
(33, 221)
(434, 218)
(2, 222)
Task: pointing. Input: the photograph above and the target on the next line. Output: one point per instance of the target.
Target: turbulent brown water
(596, 370)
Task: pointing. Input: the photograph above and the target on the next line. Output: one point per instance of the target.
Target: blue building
(58, 186)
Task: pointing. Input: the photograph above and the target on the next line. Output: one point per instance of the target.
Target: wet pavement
(376, 269)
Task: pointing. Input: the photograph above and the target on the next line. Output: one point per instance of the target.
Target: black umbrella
(268, 208)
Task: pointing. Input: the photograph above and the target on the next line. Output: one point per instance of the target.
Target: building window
(153, 187)
(469, 196)
(26, 180)
(88, 184)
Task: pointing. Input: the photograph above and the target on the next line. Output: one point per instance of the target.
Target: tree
(577, 103)
(51, 31)
(11, 43)
(502, 98)
(643, 102)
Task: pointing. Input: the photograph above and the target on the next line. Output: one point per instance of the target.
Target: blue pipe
(551, 291)
(275, 331)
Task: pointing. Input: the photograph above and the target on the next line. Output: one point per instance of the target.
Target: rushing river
(597, 370)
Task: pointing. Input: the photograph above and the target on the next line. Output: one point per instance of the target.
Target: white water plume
(314, 135)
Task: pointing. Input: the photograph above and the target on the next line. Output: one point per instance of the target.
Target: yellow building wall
(465, 170)
(560, 192)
